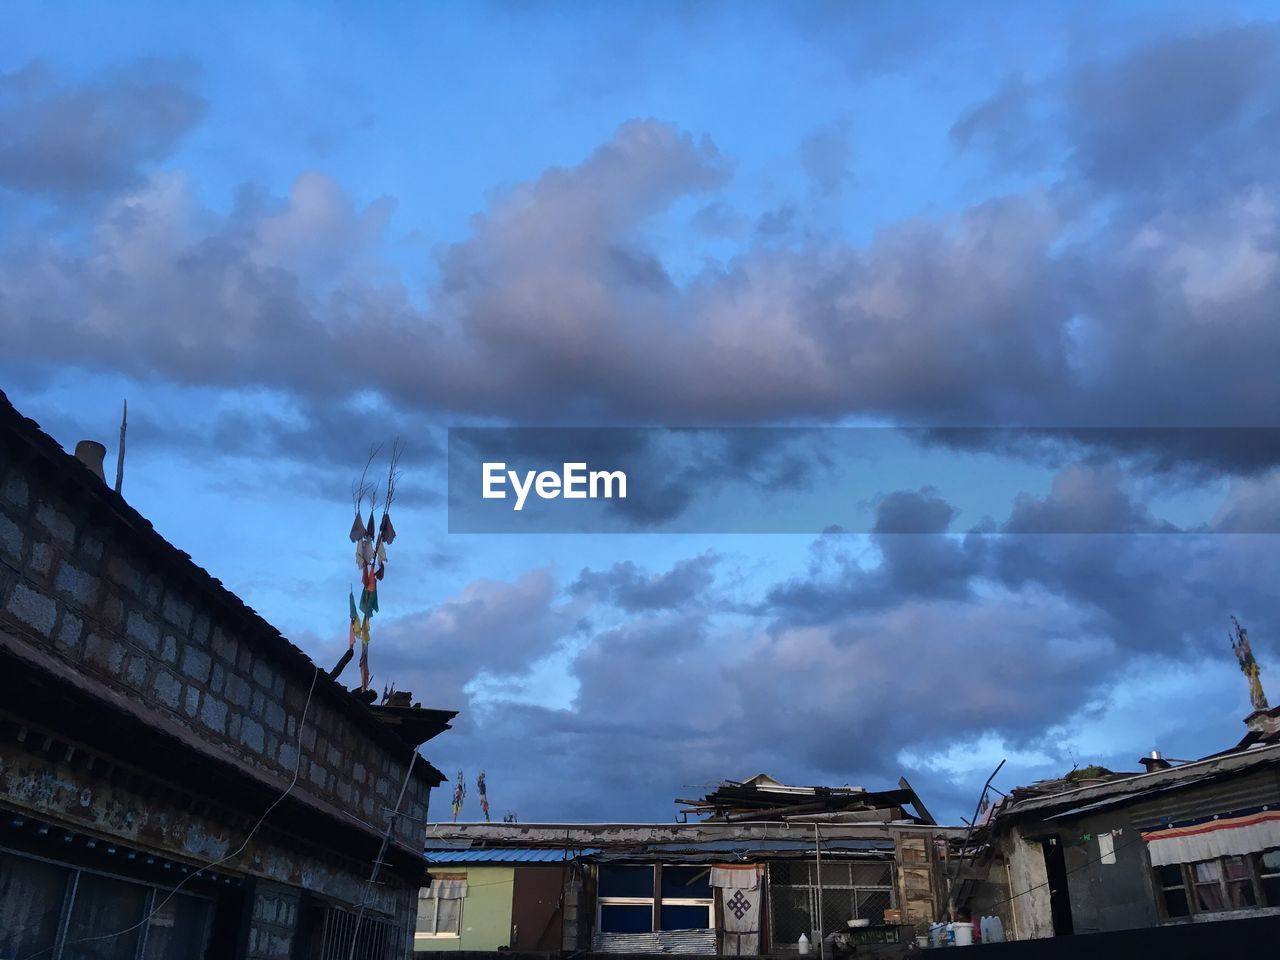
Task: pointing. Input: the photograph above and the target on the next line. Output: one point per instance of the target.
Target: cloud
(1083, 500)
(628, 588)
(72, 140)
(491, 627)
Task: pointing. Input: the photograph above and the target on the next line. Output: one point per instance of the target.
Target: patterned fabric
(739, 892)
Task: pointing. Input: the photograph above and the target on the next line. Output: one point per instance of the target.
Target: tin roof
(505, 855)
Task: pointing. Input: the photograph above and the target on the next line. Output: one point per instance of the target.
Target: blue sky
(288, 231)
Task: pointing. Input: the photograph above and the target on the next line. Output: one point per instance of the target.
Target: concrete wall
(486, 912)
(1108, 896)
(1027, 878)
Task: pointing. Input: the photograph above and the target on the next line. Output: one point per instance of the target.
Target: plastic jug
(803, 945)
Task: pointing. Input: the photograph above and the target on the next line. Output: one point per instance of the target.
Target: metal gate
(376, 940)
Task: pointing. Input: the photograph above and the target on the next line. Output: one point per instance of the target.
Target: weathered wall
(74, 581)
(1107, 896)
(89, 595)
(1028, 882)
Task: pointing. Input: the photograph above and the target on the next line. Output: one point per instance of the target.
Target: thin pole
(817, 845)
(124, 422)
(377, 864)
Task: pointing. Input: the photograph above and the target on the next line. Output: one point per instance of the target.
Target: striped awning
(1220, 837)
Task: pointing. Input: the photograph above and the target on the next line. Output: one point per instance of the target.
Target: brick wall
(275, 916)
(78, 582)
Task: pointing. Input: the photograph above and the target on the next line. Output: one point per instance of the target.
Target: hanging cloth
(357, 529)
(739, 892)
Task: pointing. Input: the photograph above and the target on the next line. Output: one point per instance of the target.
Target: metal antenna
(124, 423)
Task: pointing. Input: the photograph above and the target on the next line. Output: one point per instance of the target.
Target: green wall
(486, 912)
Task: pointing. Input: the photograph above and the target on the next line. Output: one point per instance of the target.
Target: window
(102, 917)
(1173, 890)
(1220, 885)
(440, 908)
(1269, 876)
(625, 898)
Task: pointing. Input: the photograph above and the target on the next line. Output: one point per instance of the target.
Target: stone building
(148, 722)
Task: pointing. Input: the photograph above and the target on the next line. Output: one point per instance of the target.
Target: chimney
(1154, 762)
(91, 454)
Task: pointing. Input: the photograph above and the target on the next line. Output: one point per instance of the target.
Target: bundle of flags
(1248, 666)
(371, 558)
(459, 794)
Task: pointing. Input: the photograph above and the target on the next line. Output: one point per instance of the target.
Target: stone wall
(80, 579)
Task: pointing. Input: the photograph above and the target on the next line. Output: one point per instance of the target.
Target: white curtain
(1217, 838)
(447, 889)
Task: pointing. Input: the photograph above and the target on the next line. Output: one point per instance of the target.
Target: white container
(962, 934)
(938, 935)
(803, 945)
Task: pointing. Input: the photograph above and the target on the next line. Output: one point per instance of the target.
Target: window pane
(31, 897)
(685, 917)
(448, 920)
(1209, 897)
(105, 906)
(617, 918)
(1240, 894)
(619, 881)
(1271, 861)
(426, 915)
(1271, 891)
(179, 930)
(1236, 868)
(1206, 870)
(686, 883)
(1175, 903)
(1170, 875)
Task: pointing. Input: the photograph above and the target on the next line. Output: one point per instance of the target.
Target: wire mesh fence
(849, 891)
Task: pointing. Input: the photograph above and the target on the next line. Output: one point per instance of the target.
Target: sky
(288, 232)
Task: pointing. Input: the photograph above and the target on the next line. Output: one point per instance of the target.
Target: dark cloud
(630, 589)
(916, 562)
(76, 139)
(1083, 501)
(1162, 116)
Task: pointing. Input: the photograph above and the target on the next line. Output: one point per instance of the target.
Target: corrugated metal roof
(684, 942)
(505, 855)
